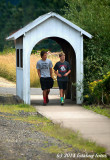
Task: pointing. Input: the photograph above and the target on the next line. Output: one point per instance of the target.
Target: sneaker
(44, 104)
(62, 102)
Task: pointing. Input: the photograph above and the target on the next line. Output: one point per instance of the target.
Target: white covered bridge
(66, 34)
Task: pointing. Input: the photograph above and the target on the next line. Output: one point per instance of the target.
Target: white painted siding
(52, 28)
(19, 71)
(19, 82)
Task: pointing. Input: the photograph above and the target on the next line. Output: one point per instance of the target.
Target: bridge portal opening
(56, 45)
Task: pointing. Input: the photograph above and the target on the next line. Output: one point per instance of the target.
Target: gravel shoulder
(20, 141)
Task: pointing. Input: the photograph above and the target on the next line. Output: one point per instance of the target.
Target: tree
(19, 13)
(93, 16)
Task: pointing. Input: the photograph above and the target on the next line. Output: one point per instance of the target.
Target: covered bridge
(66, 34)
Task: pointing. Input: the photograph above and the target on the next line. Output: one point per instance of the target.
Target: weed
(99, 110)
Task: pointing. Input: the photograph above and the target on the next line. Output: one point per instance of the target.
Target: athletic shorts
(46, 83)
(62, 85)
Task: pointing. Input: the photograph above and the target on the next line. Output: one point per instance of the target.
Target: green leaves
(99, 91)
(93, 16)
(14, 17)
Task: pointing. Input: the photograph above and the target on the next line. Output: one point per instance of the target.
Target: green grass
(72, 138)
(15, 109)
(99, 110)
(54, 130)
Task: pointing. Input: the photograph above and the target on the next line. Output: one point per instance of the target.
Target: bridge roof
(43, 18)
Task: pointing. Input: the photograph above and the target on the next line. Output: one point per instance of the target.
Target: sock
(44, 99)
(62, 99)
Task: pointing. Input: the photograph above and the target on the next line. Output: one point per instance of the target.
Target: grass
(99, 110)
(8, 51)
(54, 130)
(8, 67)
(15, 109)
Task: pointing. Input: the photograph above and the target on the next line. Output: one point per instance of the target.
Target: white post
(19, 70)
(82, 69)
(79, 73)
(26, 72)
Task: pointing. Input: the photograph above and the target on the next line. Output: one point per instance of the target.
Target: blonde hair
(61, 54)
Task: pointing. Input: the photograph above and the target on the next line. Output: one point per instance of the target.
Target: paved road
(33, 91)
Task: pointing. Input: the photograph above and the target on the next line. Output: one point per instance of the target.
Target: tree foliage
(18, 13)
(93, 16)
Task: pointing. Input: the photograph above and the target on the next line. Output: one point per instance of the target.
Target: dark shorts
(46, 83)
(62, 85)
